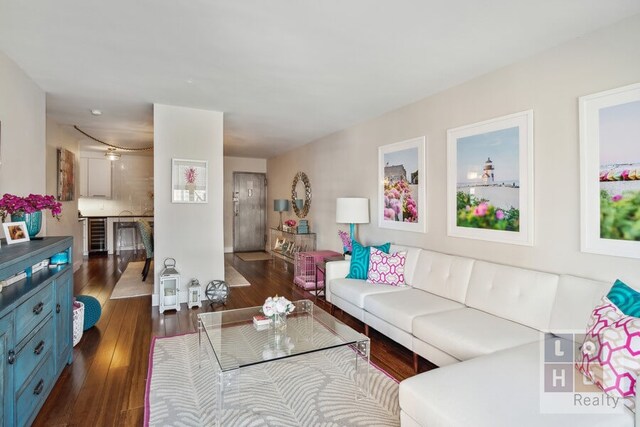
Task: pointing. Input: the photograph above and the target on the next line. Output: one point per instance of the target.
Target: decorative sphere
(217, 291)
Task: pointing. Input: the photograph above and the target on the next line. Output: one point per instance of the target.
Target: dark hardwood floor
(105, 385)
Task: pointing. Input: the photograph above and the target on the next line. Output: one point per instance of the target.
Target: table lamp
(280, 205)
(352, 211)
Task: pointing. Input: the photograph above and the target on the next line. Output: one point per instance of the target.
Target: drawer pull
(39, 348)
(39, 388)
(11, 357)
(37, 309)
(58, 308)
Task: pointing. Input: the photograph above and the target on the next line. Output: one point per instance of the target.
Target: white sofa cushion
(499, 390)
(354, 290)
(399, 308)
(575, 300)
(443, 275)
(467, 333)
(523, 296)
(412, 260)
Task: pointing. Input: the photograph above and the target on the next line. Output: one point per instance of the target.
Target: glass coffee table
(233, 342)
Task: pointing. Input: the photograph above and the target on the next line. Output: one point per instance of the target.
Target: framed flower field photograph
(490, 180)
(401, 186)
(610, 172)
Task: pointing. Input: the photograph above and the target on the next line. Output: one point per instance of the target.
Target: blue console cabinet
(36, 327)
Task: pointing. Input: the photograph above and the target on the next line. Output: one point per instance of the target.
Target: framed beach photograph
(188, 181)
(610, 172)
(401, 186)
(490, 180)
(66, 177)
(15, 232)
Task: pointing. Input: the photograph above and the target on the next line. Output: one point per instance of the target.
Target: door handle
(11, 357)
(58, 307)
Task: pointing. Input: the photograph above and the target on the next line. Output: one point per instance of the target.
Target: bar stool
(122, 227)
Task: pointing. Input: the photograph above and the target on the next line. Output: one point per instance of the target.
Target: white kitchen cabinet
(84, 177)
(95, 177)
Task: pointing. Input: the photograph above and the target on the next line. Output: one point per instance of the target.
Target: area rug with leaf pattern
(314, 389)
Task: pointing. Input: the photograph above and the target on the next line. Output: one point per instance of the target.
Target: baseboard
(228, 249)
(77, 265)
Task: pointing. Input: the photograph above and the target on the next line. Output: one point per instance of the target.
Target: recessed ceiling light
(190, 81)
(96, 112)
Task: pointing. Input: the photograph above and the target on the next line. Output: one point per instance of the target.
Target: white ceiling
(284, 72)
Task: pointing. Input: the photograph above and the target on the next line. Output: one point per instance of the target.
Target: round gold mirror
(301, 194)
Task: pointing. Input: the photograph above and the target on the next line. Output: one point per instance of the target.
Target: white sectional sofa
(482, 324)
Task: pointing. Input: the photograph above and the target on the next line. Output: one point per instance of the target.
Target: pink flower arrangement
(346, 241)
(290, 223)
(616, 198)
(190, 175)
(10, 204)
(399, 204)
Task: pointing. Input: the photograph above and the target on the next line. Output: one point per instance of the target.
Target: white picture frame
(189, 181)
(494, 195)
(609, 144)
(402, 172)
(15, 232)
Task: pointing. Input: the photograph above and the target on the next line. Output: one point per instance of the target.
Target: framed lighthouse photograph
(490, 180)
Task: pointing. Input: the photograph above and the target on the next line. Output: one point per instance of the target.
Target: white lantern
(169, 286)
(195, 294)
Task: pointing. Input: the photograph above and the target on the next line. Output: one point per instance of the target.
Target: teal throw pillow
(625, 298)
(360, 259)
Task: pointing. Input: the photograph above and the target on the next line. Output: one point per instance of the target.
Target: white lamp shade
(352, 210)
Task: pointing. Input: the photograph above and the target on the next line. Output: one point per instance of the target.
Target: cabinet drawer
(33, 352)
(32, 311)
(34, 392)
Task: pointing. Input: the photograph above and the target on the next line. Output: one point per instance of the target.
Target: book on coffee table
(261, 320)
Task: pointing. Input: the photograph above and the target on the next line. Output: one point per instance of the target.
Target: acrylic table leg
(199, 343)
(362, 351)
(219, 397)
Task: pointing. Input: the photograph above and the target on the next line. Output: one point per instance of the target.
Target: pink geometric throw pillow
(386, 268)
(610, 354)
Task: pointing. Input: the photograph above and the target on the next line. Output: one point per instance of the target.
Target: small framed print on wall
(189, 181)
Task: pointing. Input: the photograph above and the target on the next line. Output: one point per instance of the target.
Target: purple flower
(499, 214)
(10, 204)
(616, 198)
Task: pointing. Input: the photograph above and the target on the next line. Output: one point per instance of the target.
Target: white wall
(190, 233)
(231, 165)
(131, 186)
(59, 137)
(22, 133)
(344, 163)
